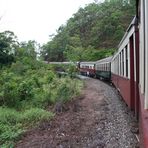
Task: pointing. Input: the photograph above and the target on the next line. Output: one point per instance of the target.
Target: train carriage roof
(105, 60)
(88, 63)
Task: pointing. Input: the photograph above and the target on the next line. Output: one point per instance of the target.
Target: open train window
(123, 62)
(120, 64)
(126, 60)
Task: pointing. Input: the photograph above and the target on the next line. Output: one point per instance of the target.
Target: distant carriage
(100, 69)
(87, 68)
(103, 68)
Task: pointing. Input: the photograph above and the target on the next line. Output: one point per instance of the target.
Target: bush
(14, 123)
(67, 89)
(35, 115)
(10, 126)
(10, 94)
(25, 91)
(9, 116)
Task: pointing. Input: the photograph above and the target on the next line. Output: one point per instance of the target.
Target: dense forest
(92, 33)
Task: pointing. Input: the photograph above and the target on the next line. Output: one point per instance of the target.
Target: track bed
(97, 119)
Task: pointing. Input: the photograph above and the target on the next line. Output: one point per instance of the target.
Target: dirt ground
(97, 119)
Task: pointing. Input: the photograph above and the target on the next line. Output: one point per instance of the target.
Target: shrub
(9, 116)
(25, 89)
(67, 89)
(14, 123)
(35, 115)
(10, 126)
(10, 94)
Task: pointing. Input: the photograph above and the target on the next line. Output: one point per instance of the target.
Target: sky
(37, 19)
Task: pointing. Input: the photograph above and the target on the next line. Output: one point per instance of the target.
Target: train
(98, 69)
(87, 68)
(127, 69)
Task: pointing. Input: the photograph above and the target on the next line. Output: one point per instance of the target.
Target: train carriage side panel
(103, 68)
(142, 12)
(87, 68)
(123, 75)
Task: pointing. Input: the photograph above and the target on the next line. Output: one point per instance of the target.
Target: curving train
(127, 69)
(100, 69)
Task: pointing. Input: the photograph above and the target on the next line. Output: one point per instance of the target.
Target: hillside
(92, 33)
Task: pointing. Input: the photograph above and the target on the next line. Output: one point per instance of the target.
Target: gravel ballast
(99, 118)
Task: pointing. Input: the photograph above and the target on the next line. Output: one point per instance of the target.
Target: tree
(98, 25)
(28, 49)
(8, 45)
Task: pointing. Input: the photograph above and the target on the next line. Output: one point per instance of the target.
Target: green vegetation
(13, 123)
(91, 30)
(27, 88)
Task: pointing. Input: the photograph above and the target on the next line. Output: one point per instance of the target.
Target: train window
(126, 61)
(120, 64)
(105, 66)
(123, 62)
(108, 67)
(116, 66)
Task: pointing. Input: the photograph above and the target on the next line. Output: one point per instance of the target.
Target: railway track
(97, 119)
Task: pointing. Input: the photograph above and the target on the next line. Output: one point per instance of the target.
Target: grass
(14, 123)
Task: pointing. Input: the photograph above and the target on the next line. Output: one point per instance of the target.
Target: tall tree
(8, 45)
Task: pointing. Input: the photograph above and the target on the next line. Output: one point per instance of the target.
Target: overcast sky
(36, 19)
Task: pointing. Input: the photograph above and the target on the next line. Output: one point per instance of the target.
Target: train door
(134, 72)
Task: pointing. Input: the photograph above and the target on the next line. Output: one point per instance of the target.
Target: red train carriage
(129, 68)
(142, 15)
(87, 68)
(130, 71)
(124, 67)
